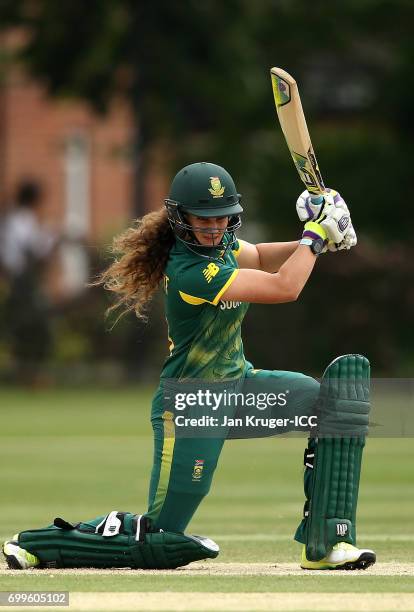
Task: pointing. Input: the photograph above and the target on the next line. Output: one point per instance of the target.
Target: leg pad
(333, 459)
(120, 539)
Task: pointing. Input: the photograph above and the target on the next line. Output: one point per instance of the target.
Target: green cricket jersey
(204, 331)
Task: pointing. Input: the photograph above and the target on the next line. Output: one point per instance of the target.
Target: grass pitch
(80, 453)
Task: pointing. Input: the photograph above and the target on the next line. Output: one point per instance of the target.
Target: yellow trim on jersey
(225, 286)
(192, 299)
(237, 251)
(166, 462)
(197, 301)
(171, 345)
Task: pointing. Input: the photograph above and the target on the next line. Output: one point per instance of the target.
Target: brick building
(82, 161)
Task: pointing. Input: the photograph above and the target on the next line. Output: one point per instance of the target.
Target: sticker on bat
(306, 172)
(281, 91)
(311, 156)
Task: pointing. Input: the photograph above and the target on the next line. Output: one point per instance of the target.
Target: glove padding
(350, 240)
(311, 212)
(338, 224)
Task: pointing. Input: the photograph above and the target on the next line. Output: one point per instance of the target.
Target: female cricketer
(209, 277)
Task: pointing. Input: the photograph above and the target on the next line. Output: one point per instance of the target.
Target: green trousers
(183, 468)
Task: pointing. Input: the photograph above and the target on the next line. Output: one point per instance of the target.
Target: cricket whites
(293, 124)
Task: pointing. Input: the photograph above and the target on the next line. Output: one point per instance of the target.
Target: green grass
(81, 453)
(232, 584)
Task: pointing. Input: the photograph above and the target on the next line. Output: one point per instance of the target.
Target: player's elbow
(288, 292)
(292, 295)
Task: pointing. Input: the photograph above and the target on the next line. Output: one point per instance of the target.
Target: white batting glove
(339, 229)
(310, 212)
(348, 242)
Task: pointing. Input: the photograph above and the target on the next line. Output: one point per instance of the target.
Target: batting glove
(315, 212)
(310, 212)
(348, 242)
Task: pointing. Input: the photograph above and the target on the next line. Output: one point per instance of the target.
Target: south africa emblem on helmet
(216, 189)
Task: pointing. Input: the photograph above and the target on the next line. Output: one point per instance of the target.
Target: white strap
(139, 516)
(112, 525)
(100, 524)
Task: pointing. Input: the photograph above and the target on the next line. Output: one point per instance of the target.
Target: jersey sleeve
(236, 247)
(205, 282)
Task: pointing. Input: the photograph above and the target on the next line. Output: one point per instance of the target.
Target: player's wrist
(316, 246)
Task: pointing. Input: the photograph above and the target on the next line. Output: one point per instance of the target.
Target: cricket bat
(292, 120)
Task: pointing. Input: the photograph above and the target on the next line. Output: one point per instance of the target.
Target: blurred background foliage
(196, 74)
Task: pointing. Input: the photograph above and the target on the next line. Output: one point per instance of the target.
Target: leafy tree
(201, 67)
(196, 75)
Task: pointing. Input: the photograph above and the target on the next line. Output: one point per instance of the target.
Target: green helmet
(205, 190)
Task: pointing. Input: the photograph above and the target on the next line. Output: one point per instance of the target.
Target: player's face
(208, 230)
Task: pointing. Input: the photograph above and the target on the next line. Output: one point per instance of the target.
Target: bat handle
(317, 199)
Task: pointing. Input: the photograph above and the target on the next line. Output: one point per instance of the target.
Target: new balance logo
(210, 272)
(341, 529)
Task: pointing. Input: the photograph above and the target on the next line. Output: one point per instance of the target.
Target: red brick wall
(33, 132)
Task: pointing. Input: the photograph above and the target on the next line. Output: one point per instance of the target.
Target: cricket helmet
(205, 190)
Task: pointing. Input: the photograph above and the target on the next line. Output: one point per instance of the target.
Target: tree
(173, 61)
(196, 75)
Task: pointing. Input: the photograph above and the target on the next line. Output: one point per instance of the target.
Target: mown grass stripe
(239, 602)
(278, 537)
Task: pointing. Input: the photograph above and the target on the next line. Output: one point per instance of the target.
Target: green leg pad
(333, 459)
(82, 546)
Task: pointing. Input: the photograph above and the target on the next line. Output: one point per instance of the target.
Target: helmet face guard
(205, 190)
(184, 231)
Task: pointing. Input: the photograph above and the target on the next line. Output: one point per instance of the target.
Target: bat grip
(317, 199)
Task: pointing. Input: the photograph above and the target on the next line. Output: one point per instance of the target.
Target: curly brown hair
(141, 254)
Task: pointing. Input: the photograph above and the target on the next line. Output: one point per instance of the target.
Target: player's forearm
(260, 287)
(294, 273)
(272, 255)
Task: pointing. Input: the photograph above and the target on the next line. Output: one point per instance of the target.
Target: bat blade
(292, 121)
